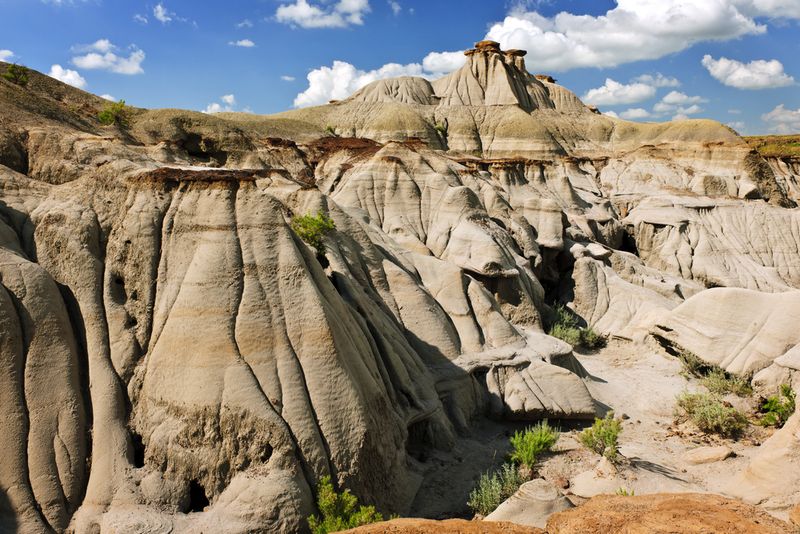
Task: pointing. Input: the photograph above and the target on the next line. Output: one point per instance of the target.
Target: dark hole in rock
(117, 289)
(419, 440)
(138, 450)
(197, 497)
(629, 244)
(203, 149)
(323, 261)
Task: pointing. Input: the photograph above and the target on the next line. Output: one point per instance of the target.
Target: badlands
(177, 358)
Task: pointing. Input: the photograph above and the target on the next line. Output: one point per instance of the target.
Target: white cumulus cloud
(228, 102)
(396, 7)
(246, 23)
(102, 55)
(614, 93)
(782, 120)
(657, 80)
(287, 78)
(342, 79)
(635, 113)
(758, 74)
(108, 97)
(5, 55)
(337, 15)
(679, 105)
(242, 43)
(443, 62)
(633, 30)
(68, 76)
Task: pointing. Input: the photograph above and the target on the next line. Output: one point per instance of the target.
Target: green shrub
(16, 74)
(777, 409)
(330, 130)
(531, 442)
(570, 334)
(565, 327)
(720, 383)
(115, 113)
(340, 511)
(711, 415)
(591, 339)
(313, 228)
(714, 377)
(625, 492)
(494, 488)
(603, 436)
(441, 129)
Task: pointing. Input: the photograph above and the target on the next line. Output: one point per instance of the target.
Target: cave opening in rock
(197, 497)
(138, 449)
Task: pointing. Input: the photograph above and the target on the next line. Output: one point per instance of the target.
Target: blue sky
(736, 61)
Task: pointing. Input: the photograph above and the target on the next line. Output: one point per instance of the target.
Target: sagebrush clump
(565, 327)
(721, 383)
(714, 377)
(115, 113)
(777, 409)
(16, 74)
(530, 443)
(494, 488)
(711, 415)
(340, 511)
(313, 228)
(603, 436)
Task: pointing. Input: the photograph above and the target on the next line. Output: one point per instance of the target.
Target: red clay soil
(664, 513)
(454, 526)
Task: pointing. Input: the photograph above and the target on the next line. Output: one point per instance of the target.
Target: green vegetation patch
(16, 74)
(711, 415)
(116, 113)
(530, 443)
(494, 488)
(603, 436)
(565, 327)
(313, 228)
(340, 511)
(777, 409)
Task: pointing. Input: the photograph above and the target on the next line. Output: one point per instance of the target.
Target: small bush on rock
(115, 113)
(711, 415)
(313, 228)
(603, 436)
(532, 442)
(777, 409)
(340, 511)
(713, 377)
(720, 383)
(16, 74)
(494, 488)
(565, 327)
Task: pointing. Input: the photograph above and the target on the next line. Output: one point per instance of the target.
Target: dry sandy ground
(640, 383)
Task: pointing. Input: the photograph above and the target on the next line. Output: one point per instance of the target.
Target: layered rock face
(176, 358)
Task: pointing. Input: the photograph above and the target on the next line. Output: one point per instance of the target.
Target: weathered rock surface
(531, 505)
(706, 455)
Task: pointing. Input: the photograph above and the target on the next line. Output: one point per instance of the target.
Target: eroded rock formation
(176, 358)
